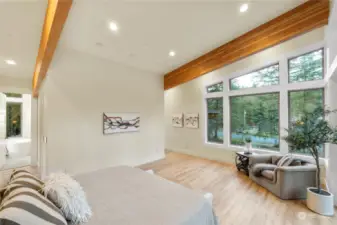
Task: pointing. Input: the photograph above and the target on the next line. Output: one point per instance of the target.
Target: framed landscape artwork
(120, 122)
(177, 120)
(192, 120)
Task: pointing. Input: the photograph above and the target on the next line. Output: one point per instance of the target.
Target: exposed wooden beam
(304, 18)
(56, 16)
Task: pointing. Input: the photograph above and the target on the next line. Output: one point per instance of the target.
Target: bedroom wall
(332, 165)
(188, 97)
(74, 96)
(15, 85)
(331, 37)
(331, 33)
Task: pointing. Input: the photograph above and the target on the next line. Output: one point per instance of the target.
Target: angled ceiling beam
(55, 18)
(304, 18)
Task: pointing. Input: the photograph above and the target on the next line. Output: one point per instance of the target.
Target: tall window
(215, 120)
(263, 77)
(306, 67)
(13, 119)
(304, 101)
(257, 117)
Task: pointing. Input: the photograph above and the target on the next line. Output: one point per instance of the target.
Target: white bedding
(130, 196)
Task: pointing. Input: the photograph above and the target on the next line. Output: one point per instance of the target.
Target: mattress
(130, 196)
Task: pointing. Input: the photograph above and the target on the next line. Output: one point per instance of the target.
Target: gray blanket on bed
(130, 196)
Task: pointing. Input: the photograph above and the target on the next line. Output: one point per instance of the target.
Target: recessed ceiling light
(113, 26)
(172, 53)
(10, 62)
(244, 7)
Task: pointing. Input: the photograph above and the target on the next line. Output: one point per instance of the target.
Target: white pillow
(68, 195)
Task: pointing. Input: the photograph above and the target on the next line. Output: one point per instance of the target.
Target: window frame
(206, 126)
(282, 88)
(252, 71)
(289, 120)
(230, 123)
(323, 64)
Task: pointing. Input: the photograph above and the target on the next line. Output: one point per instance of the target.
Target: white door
(2, 116)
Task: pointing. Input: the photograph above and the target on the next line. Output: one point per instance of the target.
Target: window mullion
(283, 112)
(226, 120)
(226, 112)
(284, 120)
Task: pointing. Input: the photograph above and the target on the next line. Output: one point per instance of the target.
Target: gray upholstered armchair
(286, 182)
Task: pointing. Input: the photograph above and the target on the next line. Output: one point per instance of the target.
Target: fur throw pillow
(68, 195)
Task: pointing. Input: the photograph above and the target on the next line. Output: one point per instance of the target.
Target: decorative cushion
(26, 206)
(22, 203)
(284, 161)
(68, 195)
(268, 174)
(288, 161)
(258, 168)
(275, 159)
(24, 178)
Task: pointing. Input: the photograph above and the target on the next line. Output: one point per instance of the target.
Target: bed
(130, 196)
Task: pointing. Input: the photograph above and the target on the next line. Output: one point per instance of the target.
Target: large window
(306, 67)
(263, 77)
(256, 116)
(13, 119)
(215, 120)
(261, 104)
(304, 101)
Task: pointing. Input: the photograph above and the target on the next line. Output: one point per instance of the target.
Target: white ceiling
(21, 24)
(149, 29)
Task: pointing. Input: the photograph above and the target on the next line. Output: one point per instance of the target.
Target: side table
(242, 161)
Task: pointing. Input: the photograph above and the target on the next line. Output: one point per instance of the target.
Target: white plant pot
(248, 148)
(320, 203)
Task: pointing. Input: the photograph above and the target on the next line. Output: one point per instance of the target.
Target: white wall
(15, 85)
(76, 93)
(332, 164)
(331, 33)
(331, 37)
(189, 97)
(26, 115)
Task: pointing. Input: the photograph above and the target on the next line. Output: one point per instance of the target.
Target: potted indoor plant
(311, 132)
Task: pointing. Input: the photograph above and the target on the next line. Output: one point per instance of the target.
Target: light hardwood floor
(237, 200)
